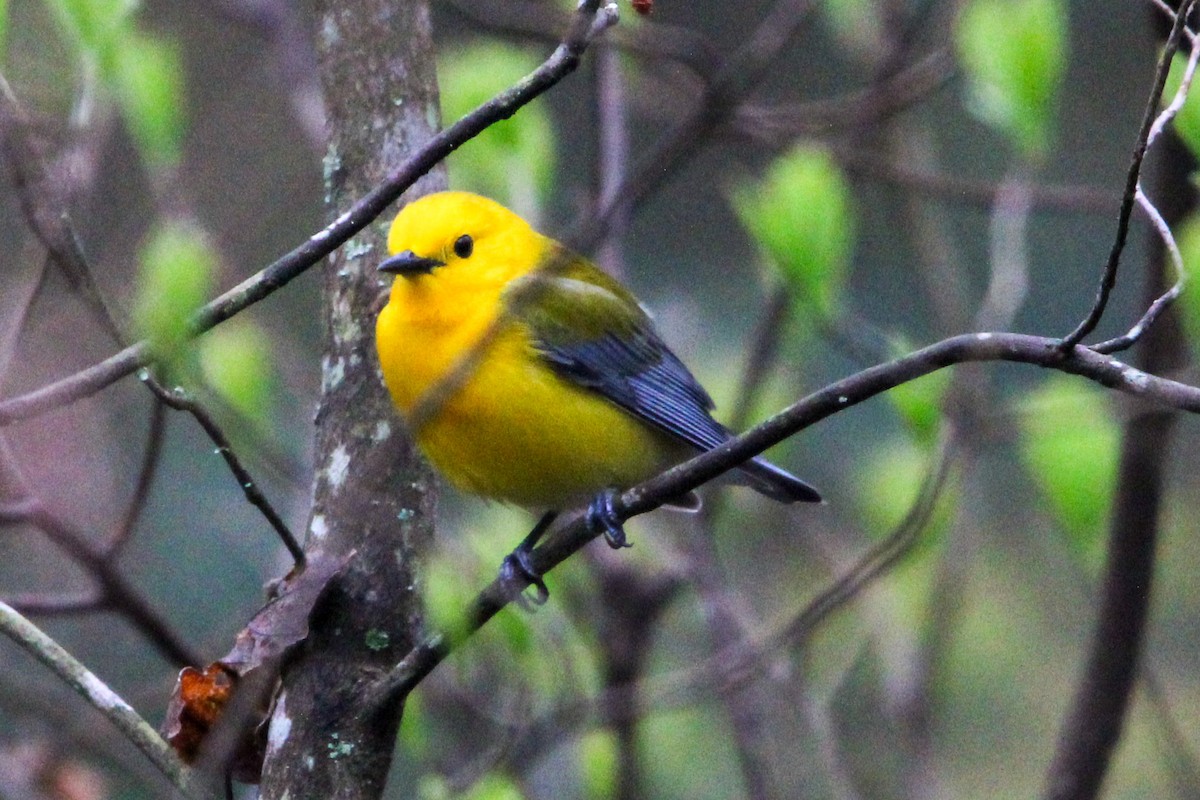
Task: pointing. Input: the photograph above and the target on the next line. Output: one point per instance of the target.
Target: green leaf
(512, 161)
(1014, 53)
(890, 482)
(598, 763)
(176, 276)
(1069, 442)
(236, 362)
(96, 27)
(801, 217)
(1187, 237)
(447, 595)
(3, 32)
(1187, 120)
(414, 730)
(494, 786)
(919, 402)
(148, 80)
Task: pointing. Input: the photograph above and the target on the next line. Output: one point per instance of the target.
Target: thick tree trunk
(372, 495)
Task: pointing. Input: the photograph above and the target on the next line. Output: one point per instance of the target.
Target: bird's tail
(778, 484)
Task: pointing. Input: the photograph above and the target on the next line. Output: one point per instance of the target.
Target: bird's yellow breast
(512, 430)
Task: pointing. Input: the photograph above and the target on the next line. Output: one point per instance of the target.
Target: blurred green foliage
(800, 215)
(491, 786)
(1187, 237)
(512, 161)
(148, 80)
(3, 31)
(1069, 441)
(919, 402)
(598, 764)
(143, 73)
(889, 482)
(235, 361)
(1014, 53)
(857, 24)
(1187, 119)
(177, 268)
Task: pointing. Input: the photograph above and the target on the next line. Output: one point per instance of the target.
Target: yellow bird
(574, 394)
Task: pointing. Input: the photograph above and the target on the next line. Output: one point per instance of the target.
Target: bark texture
(372, 494)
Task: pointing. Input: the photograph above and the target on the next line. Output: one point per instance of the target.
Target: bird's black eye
(464, 245)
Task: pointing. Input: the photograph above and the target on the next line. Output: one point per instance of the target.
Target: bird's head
(460, 240)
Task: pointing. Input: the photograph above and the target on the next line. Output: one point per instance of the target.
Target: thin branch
(145, 478)
(612, 151)
(650, 494)
(780, 124)
(16, 511)
(18, 317)
(98, 695)
(650, 39)
(1169, 13)
(1009, 256)
(179, 400)
(1109, 277)
(42, 200)
(115, 591)
(42, 604)
(1164, 300)
(959, 190)
(1095, 719)
(279, 273)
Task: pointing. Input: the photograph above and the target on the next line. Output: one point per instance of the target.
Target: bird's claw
(602, 518)
(517, 565)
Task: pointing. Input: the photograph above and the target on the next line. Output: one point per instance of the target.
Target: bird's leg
(518, 560)
(602, 518)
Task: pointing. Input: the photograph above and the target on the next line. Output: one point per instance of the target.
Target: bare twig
(145, 478)
(98, 695)
(179, 400)
(1109, 277)
(40, 604)
(545, 21)
(1096, 715)
(952, 188)
(115, 591)
(1164, 300)
(743, 659)
(780, 124)
(1009, 260)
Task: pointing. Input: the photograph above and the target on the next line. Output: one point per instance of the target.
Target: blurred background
(892, 173)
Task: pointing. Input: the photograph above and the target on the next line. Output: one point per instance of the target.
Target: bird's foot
(518, 563)
(602, 518)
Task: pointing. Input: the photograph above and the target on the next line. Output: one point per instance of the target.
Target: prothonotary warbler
(535, 377)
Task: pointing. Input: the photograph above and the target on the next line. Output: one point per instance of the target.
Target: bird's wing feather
(592, 332)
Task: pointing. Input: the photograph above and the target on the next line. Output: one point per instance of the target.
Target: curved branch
(571, 536)
(103, 699)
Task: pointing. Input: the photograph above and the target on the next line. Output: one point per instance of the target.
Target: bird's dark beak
(409, 263)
